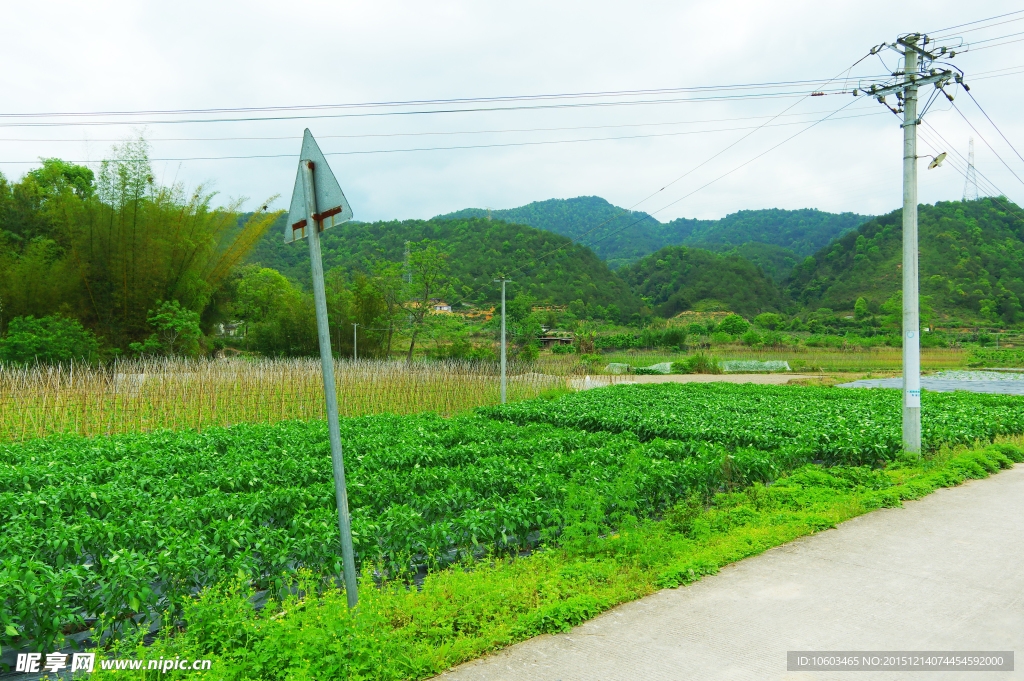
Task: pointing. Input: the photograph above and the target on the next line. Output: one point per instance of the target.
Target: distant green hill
(776, 261)
(478, 249)
(620, 237)
(679, 278)
(971, 262)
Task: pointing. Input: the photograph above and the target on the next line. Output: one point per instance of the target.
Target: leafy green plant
(50, 340)
(699, 363)
(734, 324)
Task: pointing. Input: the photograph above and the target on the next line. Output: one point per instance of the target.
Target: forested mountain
(620, 237)
(478, 250)
(971, 262)
(776, 261)
(679, 278)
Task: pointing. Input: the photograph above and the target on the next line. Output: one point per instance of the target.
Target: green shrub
(734, 324)
(49, 340)
(751, 337)
(697, 364)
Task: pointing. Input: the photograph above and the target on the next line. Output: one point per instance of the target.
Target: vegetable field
(127, 525)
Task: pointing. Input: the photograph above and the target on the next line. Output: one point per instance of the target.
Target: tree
(108, 252)
(860, 309)
(428, 270)
(734, 324)
(57, 176)
(50, 340)
(386, 280)
(177, 331)
(768, 320)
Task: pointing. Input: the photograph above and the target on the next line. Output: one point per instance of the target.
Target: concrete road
(943, 573)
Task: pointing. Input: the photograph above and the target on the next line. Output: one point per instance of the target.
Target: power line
(978, 49)
(988, 40)
(986, 143)
(971, 95)
(421, 134)
(421, 102)
(462, 147)
(695, 100)
(979, 21)
(990, 186)
(980, 28)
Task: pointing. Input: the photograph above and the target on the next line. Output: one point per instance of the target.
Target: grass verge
(463, 613)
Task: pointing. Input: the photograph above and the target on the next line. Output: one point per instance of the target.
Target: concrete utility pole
(911, 312)
(504, 381)
(355, 343)
(918, 70)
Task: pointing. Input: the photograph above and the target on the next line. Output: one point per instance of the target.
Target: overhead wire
(980, 28)
(978, 49)
(971, 95)
(630, 209)
(707, 184)
(420, 102)
(421, 134)
(979, 21)
(649, 102)
(988, 184)
(978, 133)
(469, 146)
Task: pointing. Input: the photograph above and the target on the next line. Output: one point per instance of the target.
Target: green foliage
(769, 320)
(57, 176)
(136, 524)
(849, 427)
(971, 263)
(775, 261)
(751, 338)
(699, 363)
(733, 324)
(678, 278)
(860, 308)
(177, 332)
(455, 615)
(50, 340)
(477, 248)
(106, 253)
(990, 357)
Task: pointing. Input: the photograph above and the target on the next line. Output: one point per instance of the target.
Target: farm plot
(127, 525)
(132, 524)
(835, 426)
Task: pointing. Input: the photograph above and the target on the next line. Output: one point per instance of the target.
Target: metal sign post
(315, 186)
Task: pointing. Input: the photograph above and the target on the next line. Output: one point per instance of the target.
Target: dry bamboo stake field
(141, 395)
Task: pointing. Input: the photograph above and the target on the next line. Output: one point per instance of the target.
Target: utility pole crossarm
(939, 78)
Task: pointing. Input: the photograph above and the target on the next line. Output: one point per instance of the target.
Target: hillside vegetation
(620, 237)
(971, 263)
(679, 278)
(477, 248)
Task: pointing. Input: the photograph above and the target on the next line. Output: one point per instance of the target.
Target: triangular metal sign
(331, 205)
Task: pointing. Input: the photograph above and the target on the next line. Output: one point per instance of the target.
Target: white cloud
(111, 56)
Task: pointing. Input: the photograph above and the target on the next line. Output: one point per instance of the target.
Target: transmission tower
(408, 272)
(971, 184)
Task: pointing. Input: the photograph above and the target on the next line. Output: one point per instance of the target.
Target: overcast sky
(105, 56)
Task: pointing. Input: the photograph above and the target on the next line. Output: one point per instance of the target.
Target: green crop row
(114, 527)
(836, 426)
(133, 524)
